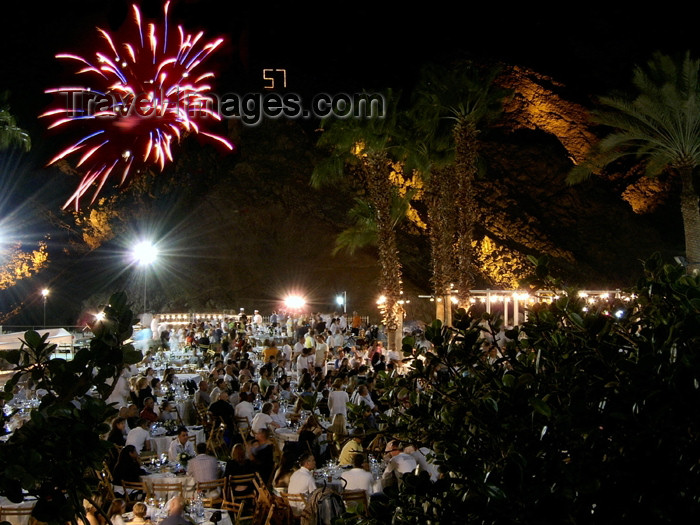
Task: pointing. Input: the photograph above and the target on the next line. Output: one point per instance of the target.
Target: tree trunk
(466, 154)
(379, 192)
(442, 222)
(691, 220)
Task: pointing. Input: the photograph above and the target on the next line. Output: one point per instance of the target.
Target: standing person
(338, 399)
(321, 354)
(201, 396)
(356, 323)
(263, 454)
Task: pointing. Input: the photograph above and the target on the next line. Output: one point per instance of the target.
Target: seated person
(128, 466)
(239, 465)
(359, 477)
(180, 445)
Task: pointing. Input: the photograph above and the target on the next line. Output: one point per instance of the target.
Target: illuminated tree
(661, 125)
(449, 110)
(11, 135)
(366, 148)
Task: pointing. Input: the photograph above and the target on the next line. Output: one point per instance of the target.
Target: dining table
(22, 519)
(157, 512)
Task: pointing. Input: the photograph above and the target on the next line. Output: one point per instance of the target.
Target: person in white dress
(338, 399)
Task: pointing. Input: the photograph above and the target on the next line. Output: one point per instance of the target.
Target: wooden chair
(6, 513)
(208, 488)
(193, 439)
(355, 498)
(243, 426)
(216, 443)
(235, 510)
(168, 488)
(296, 502)
(135, 490)
(242, 479)
(105, 483)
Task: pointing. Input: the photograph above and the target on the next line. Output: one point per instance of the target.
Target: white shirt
(301, 482)
(279, 418)
(401, 463)
(137, 437)
(203, 467)
(358, 479)
(245, 409)
(337, 402)
(260, 421)
(421, 457)
(176, 448)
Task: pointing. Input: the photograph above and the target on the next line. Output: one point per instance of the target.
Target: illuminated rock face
(592, 232)
(537, 105)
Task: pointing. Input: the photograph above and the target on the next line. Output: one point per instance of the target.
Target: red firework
(147, 94)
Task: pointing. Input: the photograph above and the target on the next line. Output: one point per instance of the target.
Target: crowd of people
(306, 382)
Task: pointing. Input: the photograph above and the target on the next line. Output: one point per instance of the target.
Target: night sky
(324, 47)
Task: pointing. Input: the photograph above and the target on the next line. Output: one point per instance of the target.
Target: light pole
(45, 295)
(144, 254)
(342, 300)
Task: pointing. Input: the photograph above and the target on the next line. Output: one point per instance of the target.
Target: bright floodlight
(100, 316)
(294, 302)
(340, 300)
(45, 292)
(144, 253)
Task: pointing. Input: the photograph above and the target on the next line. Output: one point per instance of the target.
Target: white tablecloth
(188, 483)
(16, 520)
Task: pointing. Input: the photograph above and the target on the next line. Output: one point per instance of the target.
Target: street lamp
(45, 295)
(342, 300)
(144, 254)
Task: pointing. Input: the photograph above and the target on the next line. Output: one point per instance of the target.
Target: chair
(7, 512)
(170, 489)
(207, 487)
(243, 425)
(354, 498)
(192, 438)
(105, 483)
(296, 502)
(235, 510)
(240, 480)
(134, 489)
(215, 441)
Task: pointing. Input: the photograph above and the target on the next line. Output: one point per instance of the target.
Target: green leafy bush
(580, 417)
(52, 456)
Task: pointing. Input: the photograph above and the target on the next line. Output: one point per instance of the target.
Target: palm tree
(10, 134)
(661, 125)
(363, 231)
(364, 148)
(450, 109)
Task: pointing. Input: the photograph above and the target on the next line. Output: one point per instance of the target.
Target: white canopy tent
(57, 336)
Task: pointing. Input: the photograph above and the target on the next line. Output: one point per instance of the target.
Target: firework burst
(146, 94)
